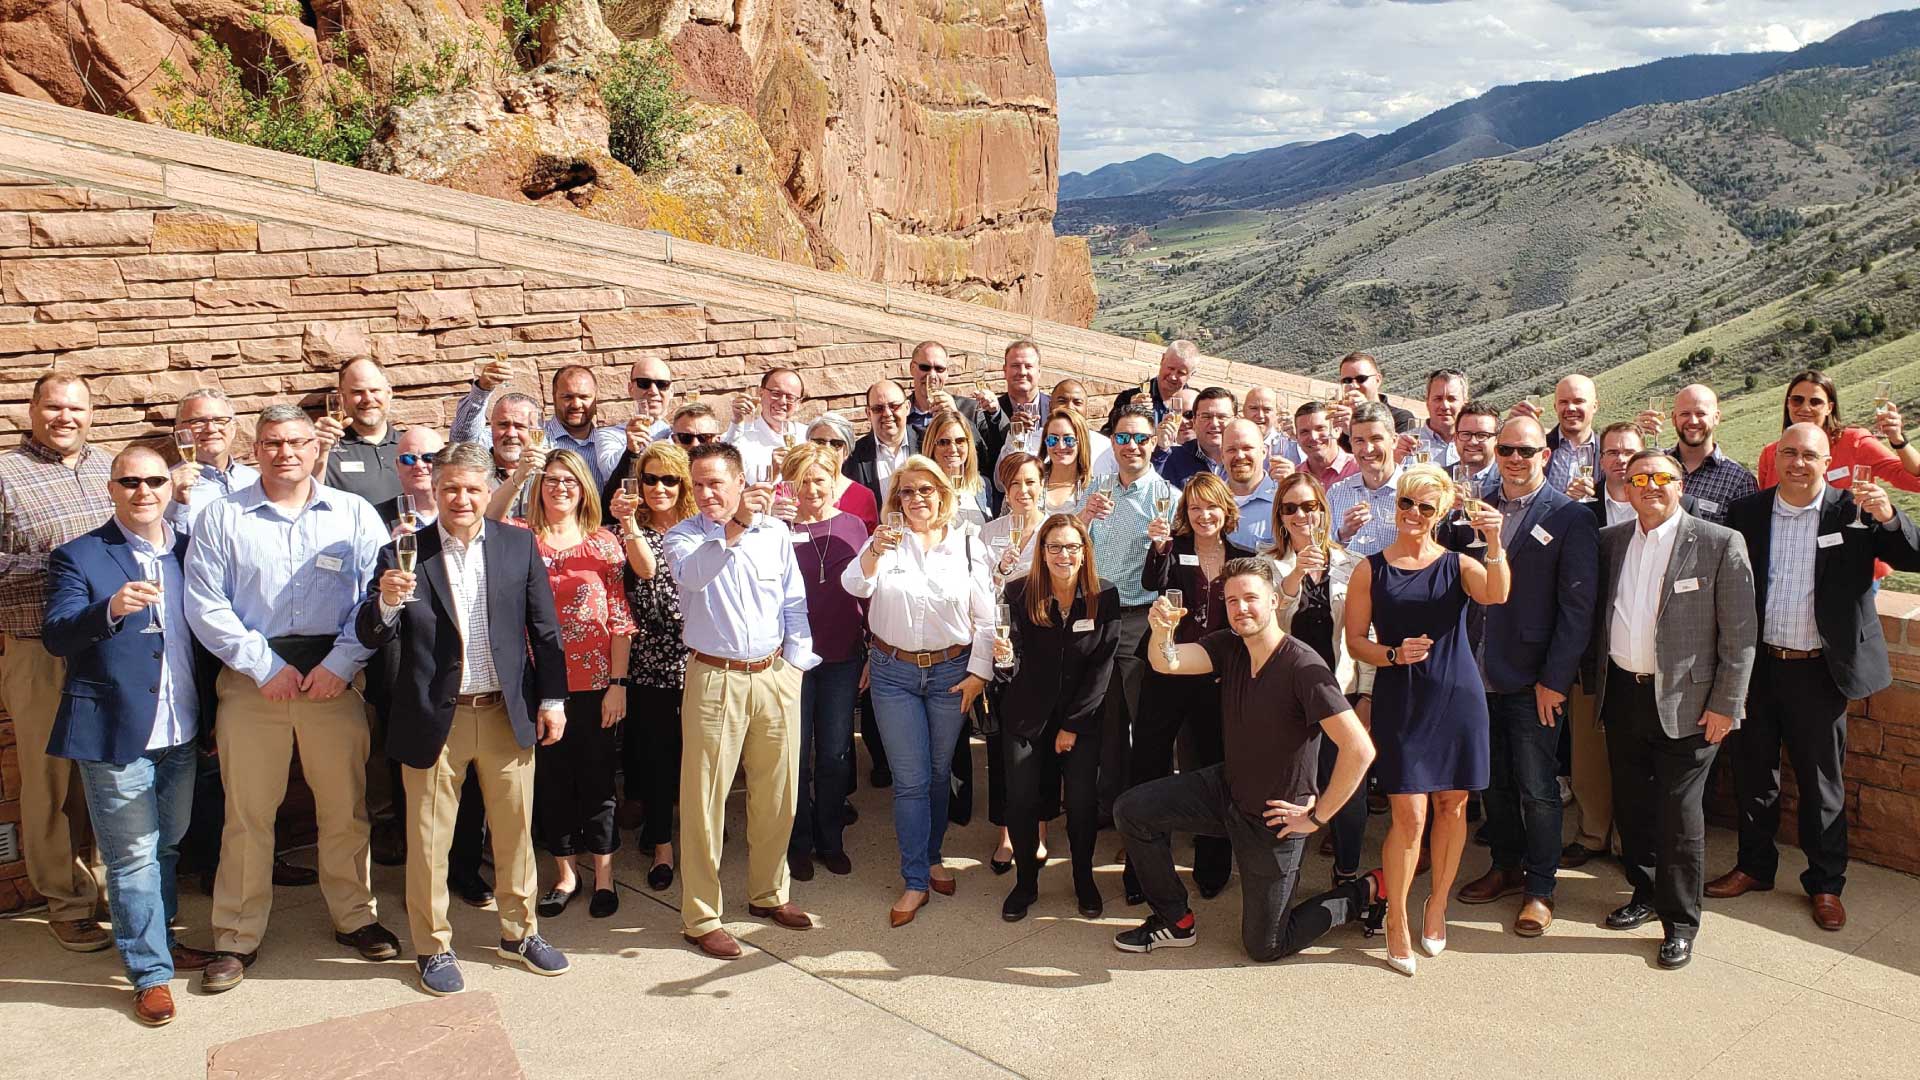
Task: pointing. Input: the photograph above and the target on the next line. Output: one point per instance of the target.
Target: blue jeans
(920, 721)
(140, 812)
(1523, 789)
(827, 694)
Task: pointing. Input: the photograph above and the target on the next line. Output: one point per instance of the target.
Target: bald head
(1576, 404)
(1696, 415)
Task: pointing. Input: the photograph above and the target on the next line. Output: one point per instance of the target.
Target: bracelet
(1491, 559)
(1311, 816)
(1901, 445)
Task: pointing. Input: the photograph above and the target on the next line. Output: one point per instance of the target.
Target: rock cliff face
(913, 142)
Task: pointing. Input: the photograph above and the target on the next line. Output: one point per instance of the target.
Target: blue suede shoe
(533, 951)
(440, 974)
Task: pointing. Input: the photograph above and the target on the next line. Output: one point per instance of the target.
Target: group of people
(1205, 615)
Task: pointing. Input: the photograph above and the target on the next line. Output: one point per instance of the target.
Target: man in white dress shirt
(764, 433)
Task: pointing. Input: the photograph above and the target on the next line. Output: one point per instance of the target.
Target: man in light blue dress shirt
(1244, 450)
(273, 577)
(207, 414)
(748, 643)
(1372, 488)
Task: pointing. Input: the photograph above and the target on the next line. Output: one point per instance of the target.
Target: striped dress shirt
(1789, 618)
(1379, 530)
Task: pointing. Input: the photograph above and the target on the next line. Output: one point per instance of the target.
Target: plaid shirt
(48, 503)
(1715, 485)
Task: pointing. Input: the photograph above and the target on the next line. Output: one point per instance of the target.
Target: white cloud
(1197, 78)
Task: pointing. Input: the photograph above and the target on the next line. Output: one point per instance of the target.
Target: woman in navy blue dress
(1429, 705)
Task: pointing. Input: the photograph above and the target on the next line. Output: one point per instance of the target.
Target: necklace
(819, 550)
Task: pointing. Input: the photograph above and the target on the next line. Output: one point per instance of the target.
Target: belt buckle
(923, 660)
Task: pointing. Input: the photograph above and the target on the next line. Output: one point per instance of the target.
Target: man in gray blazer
(1675, 632)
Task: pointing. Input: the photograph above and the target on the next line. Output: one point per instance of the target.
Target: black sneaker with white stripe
(1155, 933)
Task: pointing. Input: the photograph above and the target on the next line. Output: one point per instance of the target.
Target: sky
(1196, 78)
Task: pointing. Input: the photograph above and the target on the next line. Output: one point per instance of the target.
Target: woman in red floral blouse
(573, 785)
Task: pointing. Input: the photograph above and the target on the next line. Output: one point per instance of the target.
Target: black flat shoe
(555, 901)
(800, 867)
(473, 893)
(1014, 908)
(603, 903)
(837, 863)
(1675, 952)
(660, 878)
(1629, 915)
(1208, 890)
(999, 866)
(1088, 896)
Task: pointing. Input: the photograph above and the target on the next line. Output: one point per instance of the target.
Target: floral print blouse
(659, 659)
(592, 605)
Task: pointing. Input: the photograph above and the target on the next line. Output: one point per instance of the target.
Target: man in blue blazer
(136, 698)
(1530, 650)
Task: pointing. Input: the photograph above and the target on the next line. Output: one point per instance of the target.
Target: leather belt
(1636, 676)
(480, 701)
(921, 659)
(1779, 653)
(748, 666)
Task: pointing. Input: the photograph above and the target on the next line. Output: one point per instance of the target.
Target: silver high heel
(1405, 965)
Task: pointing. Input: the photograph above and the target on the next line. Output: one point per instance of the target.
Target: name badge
(1083, 626)
(1830, 540)
(353, 466)
(1691, 584)
(1189, 560)
(329, 563)
(1838, 473)
(1707, 505)
(1542, 535)
(798, 537)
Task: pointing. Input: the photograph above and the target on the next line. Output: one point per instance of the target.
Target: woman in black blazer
(1054, 661)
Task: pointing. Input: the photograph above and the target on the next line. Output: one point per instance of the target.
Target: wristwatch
(1393, 655)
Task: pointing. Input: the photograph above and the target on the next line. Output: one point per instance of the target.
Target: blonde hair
(968, 482)
(1417, 479)
(1207, 488)
(920, 463)
(587, 514)
(1082, 453)
(675, 460)
(809, 455)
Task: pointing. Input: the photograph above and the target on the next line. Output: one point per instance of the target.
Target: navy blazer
(1851, 641)
(525, 641)
(108, 704)
(1540, 634)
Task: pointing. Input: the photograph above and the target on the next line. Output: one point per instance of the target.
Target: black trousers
(1169, 704)
(1659, 792)
(573, 805)
(1033, 776)
(1794, 702)
(1122, 707)
(1198, 802)
(650, 758)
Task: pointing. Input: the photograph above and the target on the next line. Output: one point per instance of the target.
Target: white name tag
(1831, 540)
(1189, 560)
(353, 466)
(1542, 535)
(799, 538)
(1839, 473)
(329, 563)
(1707, 505)
(1691, 584)
(1083, 626)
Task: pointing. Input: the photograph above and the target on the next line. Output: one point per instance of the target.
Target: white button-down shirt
(1790, 554)
(757, 440)
(176, 705)
(1617, 512)
(1636, 602)
(922, 600)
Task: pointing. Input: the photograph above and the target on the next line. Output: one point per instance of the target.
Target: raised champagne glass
(897, 526)
(156, 576)
(1862, 474)
(406, 552)
(1003, 632)
(183, 442)
(1177, 600)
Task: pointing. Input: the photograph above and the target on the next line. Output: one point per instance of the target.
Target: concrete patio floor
(959, 993)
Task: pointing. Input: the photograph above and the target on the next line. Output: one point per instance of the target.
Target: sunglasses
(950, 442)
(688, 438)
(1186, 414)
(1658, 479)
(922, 491)
(837, 444)
(410, 460)
(1132, 438)
(1426, 511)
(1526, 452)
(1068, 441)
(650, 480)
(886, 407)
(1354, 380)
(929, 368)
(1801, 401)
(133, 483)
(652, 384)
(1288, 509)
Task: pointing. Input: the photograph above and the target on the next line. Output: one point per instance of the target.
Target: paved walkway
(960, 993)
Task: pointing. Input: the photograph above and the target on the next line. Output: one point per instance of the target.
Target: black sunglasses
(1524, 451)
(1353, 380)
(652, 384)
(415, 459)
(688, 438)
(133, 483)
(1426, 511)
(651, 480)
(1288, 509)
(927, 368)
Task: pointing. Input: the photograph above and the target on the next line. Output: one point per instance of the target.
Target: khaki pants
(1592, 777)
(483, 738)
(256, 738)
(728, 718)
(53, 809)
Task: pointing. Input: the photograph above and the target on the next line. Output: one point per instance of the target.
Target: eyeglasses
(1065, 549)
(1356, 380)
(1288, 509)
(410, 460)
(1068, 441)
(133, 483)
(886, 407)
(652, 384)
(208, 422)
(780, 396)
(1426, 511)
(560, 480)
(651, 480)
(1526, 452)
(274, 446)
(688, 438)
(837, 444)
(1658, 479)
(1792, 453)
(920, 491)
(1132, 438)
(1473, 436)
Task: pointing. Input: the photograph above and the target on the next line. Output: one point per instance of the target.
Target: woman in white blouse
(930, 617)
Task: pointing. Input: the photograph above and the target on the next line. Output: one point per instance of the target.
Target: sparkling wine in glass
(1003, 632)
(156, 576)
(337, 412)
(897, 525)
(1177, 600)
(1882, 398)
(406, 550)
(1862, 474)
(1462, 490)
(409, 513)
(1422, 457)
(1583, 465)
(183, 442)
(1162, 504)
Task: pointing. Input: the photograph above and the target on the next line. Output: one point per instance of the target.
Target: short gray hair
(692, 408)
(462, 456)
(1372, 412)
(283, 414)
(841, 429)
(204, 393)
(516, 398)
(1184, 349)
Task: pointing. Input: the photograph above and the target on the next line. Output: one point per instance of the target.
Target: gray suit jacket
(1705, 639)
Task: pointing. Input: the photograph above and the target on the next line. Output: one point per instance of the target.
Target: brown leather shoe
(1828, 912)
(79, 935)
(944, 887)
(788, 915)
(1535, 916)
(1493, 885)
(897, 918)
(188, 958)
(1736, 882)
(153, 1006)
(225, 971)
(716, 943)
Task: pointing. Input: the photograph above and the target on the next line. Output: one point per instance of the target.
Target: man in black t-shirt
(1277, 698)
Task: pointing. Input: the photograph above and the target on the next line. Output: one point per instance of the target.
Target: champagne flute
(155, 574)
(1882, 399)
(1474, 505)
(630, 487)
(184, 443)
(1462, 489)
(1003, 632)
(1162, 504)
(409, 513)
(337, 411)
(897, 526)
(406, 549)
(1862, 474)
(1583, 464)
(1422, 457)
(1177, 600)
